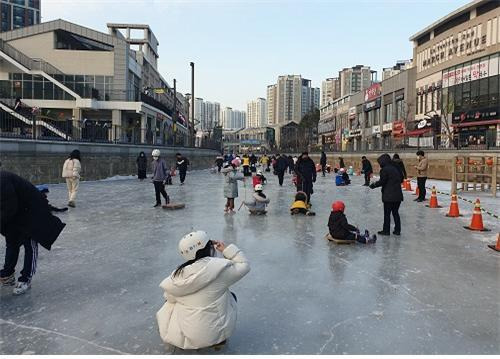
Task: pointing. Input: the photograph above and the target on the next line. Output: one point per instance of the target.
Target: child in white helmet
(200, 311)
(260, 175)
(160, 177)
(257, 204)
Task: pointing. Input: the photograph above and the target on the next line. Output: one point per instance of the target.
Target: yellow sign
(159, 90)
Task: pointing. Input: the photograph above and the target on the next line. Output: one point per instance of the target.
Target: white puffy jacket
(71, 168)
(200, 310)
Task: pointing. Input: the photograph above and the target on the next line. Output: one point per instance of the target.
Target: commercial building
(330, 90)
(15, 14)
(88, 85)
(356, 79)
(310, 97)
(258, 140)
(401, 65)
(271, 105)
(457, 78)
(257, 113)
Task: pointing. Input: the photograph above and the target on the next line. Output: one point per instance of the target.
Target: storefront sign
(375, 130)
(324, 127)
(421, 124)
(475, 115)
(387, 127)
(355, 133)
(373, 92)
(464, 43)
(372, 105)
(470, 72)
(352, 113)
(398, 128)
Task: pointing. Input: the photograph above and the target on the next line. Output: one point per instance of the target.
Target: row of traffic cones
(477, 217)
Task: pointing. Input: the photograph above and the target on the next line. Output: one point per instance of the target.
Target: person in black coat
(399, 164)
(339, 228)
(322, 162)
(281, 166)
(306, 175)
(367, 169)
(182, 165)
(25, 220)
(392, 195)
(341, 163)
(291, 165)
(142, 165)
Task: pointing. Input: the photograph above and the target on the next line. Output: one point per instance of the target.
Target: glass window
(17, 17)
(474, 94)
(483, 92)
(458, 97)
(388, 113)
(493, 90)
(58, 93)
(27, 89)
(445, 109)
(38, 90)
(48, 90)
(89, 79)
(433, 98)
(79, 78)
(466, 95)
(5, 12)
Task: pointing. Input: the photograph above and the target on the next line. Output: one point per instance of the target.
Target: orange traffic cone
(497, 246)
(433, 203)
(454, 212)
(417, 191)
(476, 223)
(408, 185)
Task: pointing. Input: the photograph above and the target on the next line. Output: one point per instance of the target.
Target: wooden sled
(257, 213)
(336, 240)
(173, 206)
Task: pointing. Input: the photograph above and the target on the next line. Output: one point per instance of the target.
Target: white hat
(259, 187)
(191, 243)
(259, 172)
(342, 170)
(156, 153)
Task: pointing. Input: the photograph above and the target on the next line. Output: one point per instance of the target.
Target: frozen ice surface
(434, 290)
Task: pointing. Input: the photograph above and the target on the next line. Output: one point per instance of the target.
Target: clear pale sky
(239, 47)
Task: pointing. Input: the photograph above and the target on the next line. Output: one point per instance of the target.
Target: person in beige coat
(200, 311)
(421, 168)
(71, 172)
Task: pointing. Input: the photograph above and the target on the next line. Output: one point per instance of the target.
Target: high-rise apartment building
(330, 90)
(233, 119)
(19, 13)
(257, 113)
(271, 105)
(206, 114)
(401, 65)
(355, 79)
(290, 99)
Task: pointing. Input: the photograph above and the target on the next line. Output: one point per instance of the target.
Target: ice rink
(434, 290)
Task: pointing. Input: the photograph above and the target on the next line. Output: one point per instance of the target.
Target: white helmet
(191, 243)
(259, 187)
(259, 172)
(342, 170)
(156, 153)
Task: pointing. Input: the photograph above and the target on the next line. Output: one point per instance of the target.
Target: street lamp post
(192, 103)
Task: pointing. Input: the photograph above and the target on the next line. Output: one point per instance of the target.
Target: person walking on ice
(71, 172)
(160, 176)
(231, 183)
(200, 311)
(182, 165)
(257, 204)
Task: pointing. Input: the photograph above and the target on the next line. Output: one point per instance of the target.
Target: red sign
(373, 92)
(398, 128)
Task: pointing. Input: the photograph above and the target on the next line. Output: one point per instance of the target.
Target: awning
(476, 123)
(419, 132)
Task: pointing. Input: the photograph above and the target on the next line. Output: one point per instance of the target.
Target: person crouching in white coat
(200, 311)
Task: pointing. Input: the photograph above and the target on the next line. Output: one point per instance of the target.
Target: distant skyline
(240, 47)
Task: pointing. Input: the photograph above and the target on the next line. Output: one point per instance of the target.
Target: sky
(241, 46)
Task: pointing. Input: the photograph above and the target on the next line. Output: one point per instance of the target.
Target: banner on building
(373, 92)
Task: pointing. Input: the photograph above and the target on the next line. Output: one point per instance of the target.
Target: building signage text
(372, 105)
(373, 92)
(375, 129)
(387, 127)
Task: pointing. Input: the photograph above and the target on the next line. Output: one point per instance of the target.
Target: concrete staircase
(53, 129)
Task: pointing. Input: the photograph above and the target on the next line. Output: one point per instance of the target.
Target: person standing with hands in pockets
(71, 172)
(421, 168)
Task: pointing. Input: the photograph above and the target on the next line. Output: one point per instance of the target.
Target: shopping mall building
(457, 79)
(64, 81)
